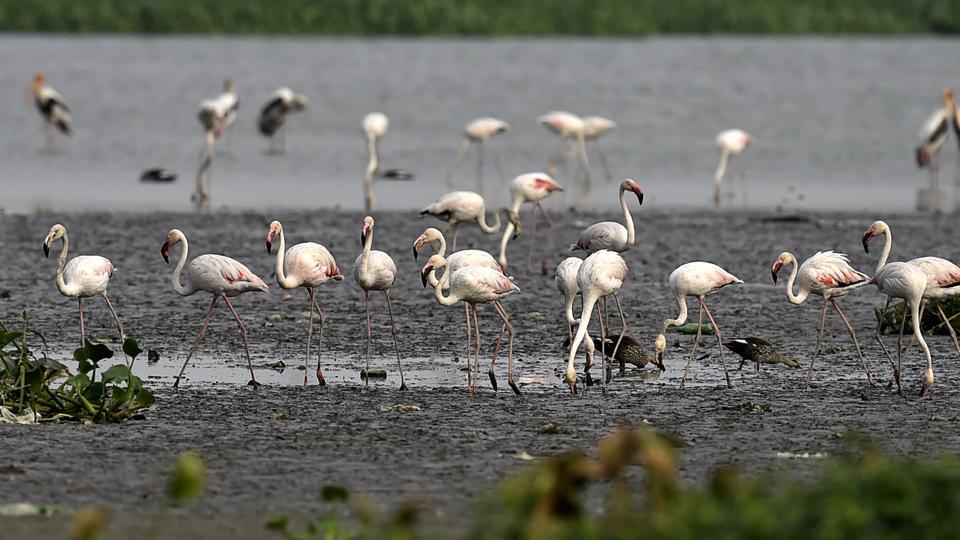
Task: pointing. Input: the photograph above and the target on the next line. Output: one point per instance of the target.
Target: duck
(758, 350)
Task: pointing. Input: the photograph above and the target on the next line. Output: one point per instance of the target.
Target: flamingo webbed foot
(403, 386)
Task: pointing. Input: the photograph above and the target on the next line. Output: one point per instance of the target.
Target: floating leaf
(188, 479)
(153, 356)
(97, 351)
(131, 348)
(119, 372)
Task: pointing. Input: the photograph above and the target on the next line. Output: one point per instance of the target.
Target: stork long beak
(46, 250)
(165, 252)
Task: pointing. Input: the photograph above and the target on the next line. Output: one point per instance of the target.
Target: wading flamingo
(697, 279)
(530, 188)
(306, 265)
(595, 127)
(611, 235)
(907, 281)
(216, 115)
(218, 275)
(476, 285)
(82, 277)
(375, 126)
(374, 270)
(52, 107)
(459, 207)
(568, 126)
(829, 275)
(273, 116)
(731, 142)
(566, 281)
(600, 275)
(478, 132)
(933, 134)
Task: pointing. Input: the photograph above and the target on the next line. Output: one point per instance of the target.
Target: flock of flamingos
(474, 277)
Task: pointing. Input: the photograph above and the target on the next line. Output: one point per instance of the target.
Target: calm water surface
(835, 120)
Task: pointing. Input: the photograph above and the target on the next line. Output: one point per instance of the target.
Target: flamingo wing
(941, 273)
(88, 273)
(223, 274)
(604, 235)
(311, 262)
(832, 270)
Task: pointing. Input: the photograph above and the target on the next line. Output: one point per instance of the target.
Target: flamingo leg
(456, 232)
(203, 330)
(823, 317)
(863, 363)
(323, 320)
(83, 331)
(506, 322)
(312, 291)
(913, 338)
(480, 152)
(900, 349)
(476, 352)
(603, 160)
(549, 248)
(623, 332)
(366, 307)
(693, 351)
(461, 153)
(466, 309)
(716, 333)
(496, 352)
(533, 236)
(584, 163)
(558, 157)
(246, 348)
(946, 321)
(605, 370)
(896, 368)
(743, 181)
(496, 162)
(119, 324)
(396, 347)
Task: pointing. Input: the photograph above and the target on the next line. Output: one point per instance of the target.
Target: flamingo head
(435, 262)
(878, 228)
(630, 185)
(514, 218)
(275, 229)
(172, 239)
(365, 231)
(430, 235)
(56, 232)
(778, 264)
(659, 346)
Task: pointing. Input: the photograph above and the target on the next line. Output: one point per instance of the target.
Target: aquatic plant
(32, 383)
(930, 322)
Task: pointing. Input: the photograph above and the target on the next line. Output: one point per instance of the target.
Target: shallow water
(835, 120)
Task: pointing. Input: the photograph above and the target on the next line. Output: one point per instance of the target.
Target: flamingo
(732, 142)
(943, 281)
(375, 126)
(52, 107)
(82, 277)
(568, 126)
(529, 188)
(608, 234)
(565, 278)
(216, 115)
(374, 270)
(476, 285)
(273, 116)
(696, 279)
(459, 207)
(933, 134)
(595, 127)
(478, 132)
(218, 275)
(601, 275)
(456, 261)
(907, 281)
(307, 265)
(829, 275)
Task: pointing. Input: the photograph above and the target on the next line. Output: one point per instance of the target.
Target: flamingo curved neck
(802, 295)
(887, 247)
(61, 263)
(915, 318)
(482, 222)
(568, 300)
(373, 165)
(681, 317)
(627, 218)
(181, 289)
(518, 200)
(588, 302)
(444, 283)
(282, 279)
(365, 256)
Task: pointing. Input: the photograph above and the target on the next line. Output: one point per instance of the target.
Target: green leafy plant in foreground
(32, 382)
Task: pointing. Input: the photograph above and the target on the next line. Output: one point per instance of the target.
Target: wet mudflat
(271, 450)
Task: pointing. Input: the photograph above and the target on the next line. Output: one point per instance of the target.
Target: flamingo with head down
(458, 207)
(478, 132)
(529, 188)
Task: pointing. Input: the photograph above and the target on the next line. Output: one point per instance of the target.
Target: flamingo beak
(270, 241)
(363, 235)
(658, 361)
(46, 250)
(416, 247)
(775, 270)
(165, 251)
(867, 237)
(639, 193)
(425, 274)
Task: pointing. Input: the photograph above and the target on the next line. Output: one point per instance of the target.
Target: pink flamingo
(568, 126)
(459, 207)
(697, 279)
(601, 275)
(829, 275)
(51, 106)
(82, 277)
(476, 285)
(218, 275)
(478, 132)
(611, 235)
(907, 281)
(566, 281)
(529, 188)
(732, 142)
(943, 281)
(374, 270)
(307, 265)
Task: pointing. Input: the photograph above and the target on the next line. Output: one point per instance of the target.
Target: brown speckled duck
(759, 351)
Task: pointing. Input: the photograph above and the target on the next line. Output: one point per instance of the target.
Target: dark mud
(271, 450)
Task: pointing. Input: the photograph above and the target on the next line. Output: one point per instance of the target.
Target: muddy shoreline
(271, 450)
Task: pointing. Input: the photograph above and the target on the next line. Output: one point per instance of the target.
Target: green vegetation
(930, 321)
(484, 17)
(32, 383)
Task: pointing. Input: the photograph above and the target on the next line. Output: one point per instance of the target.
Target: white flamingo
(479, 132)
(529, 188)
(907, 281)
(476, 285)
(82, 277)
(566, 281)
(308, 265)
(610, 234)
(933, 134)
(374, 270)
(216, 115)
(458, 207)
(568, 126)
(52, 107)
(829, 275)
(731, 142)
(220, 276)
(697, 279)
(375, 126)
(273, 116)
(601, 275)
